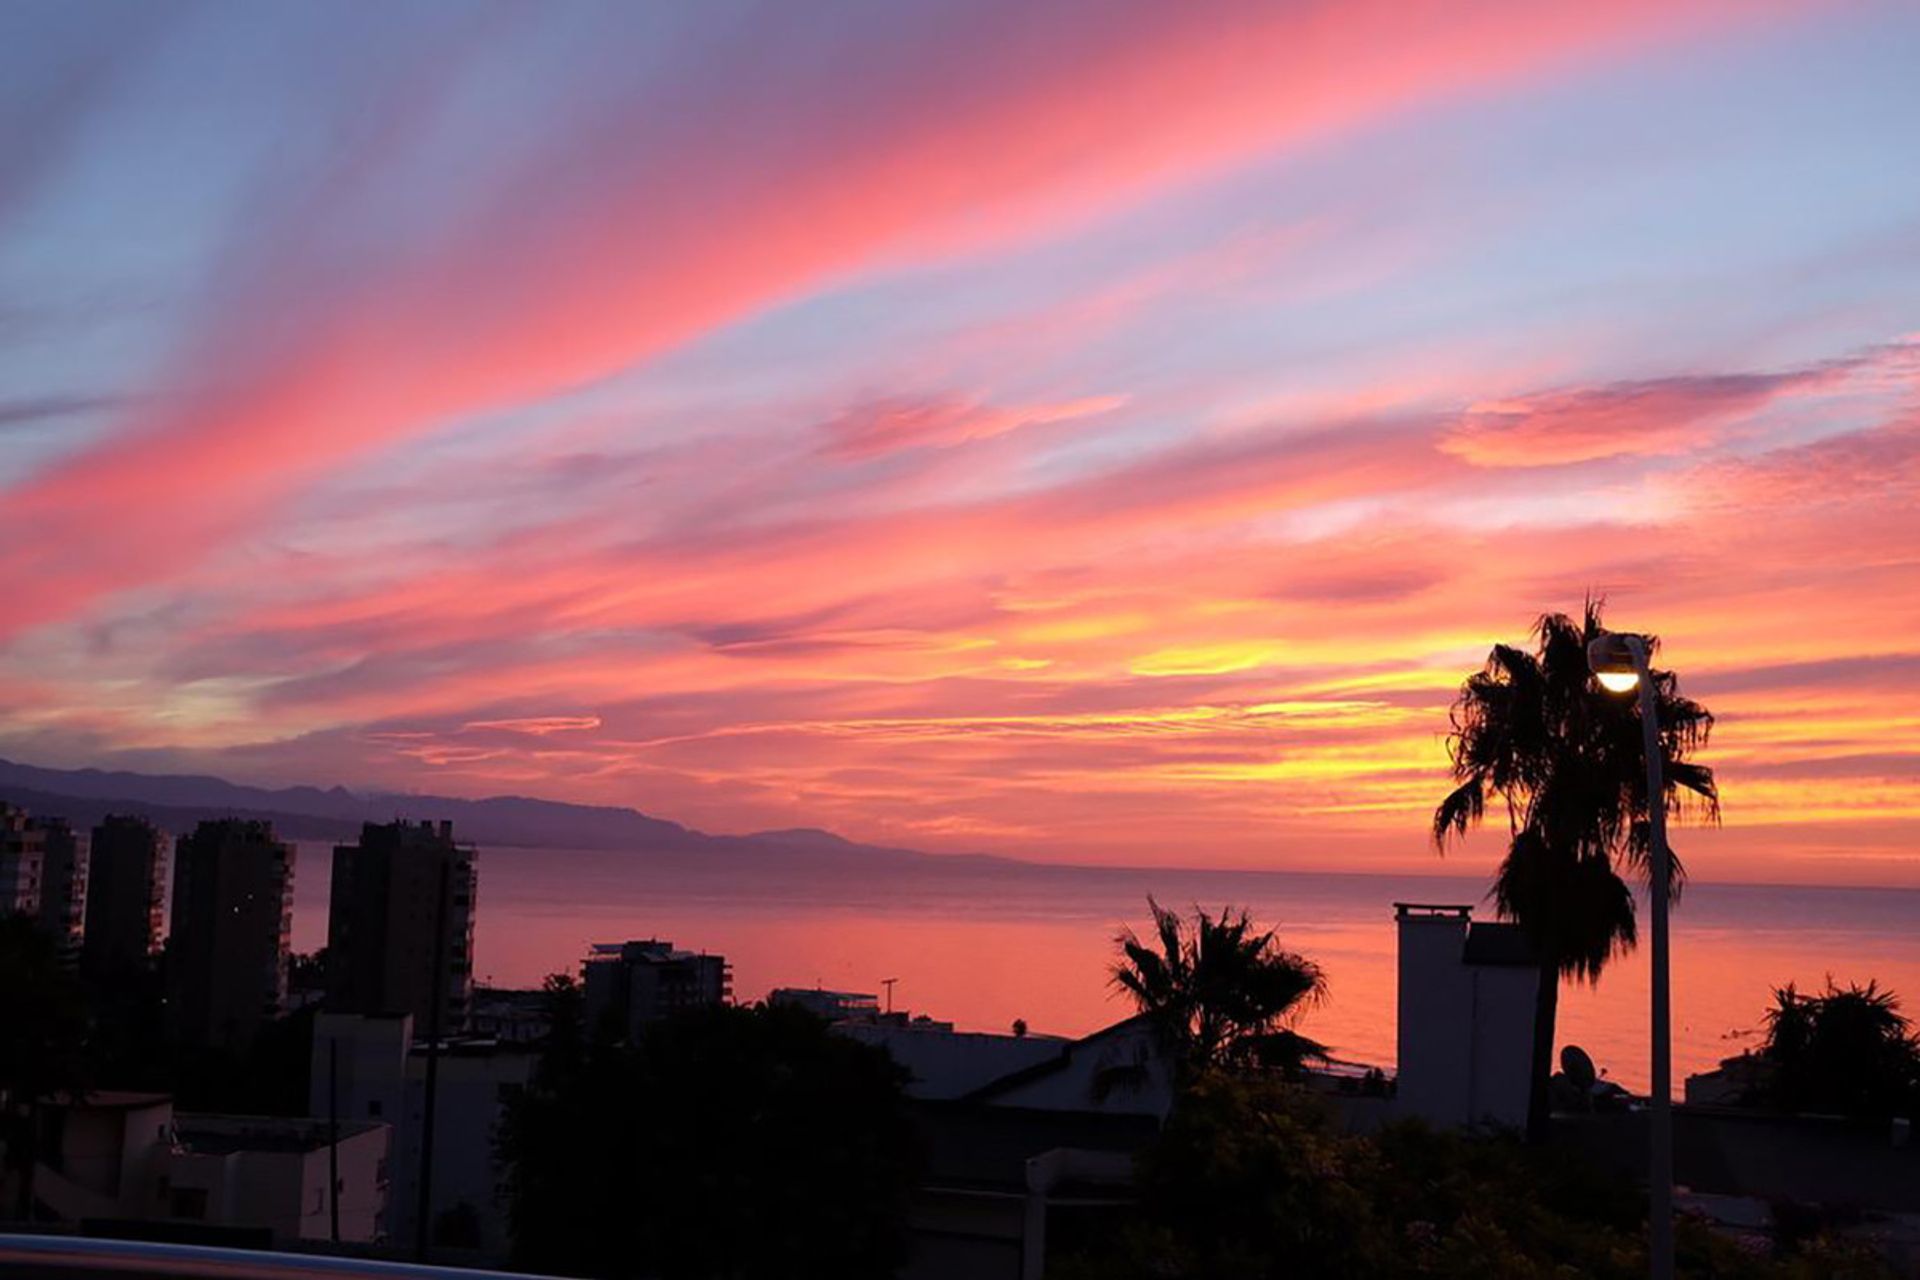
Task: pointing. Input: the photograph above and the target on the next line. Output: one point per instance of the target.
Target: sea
(982, 942)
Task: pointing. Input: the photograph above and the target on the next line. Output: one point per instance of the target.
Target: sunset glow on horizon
(1081, 432)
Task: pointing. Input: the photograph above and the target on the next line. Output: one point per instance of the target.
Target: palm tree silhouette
(1532, 730)
(1847, 1049)
(1222, 993)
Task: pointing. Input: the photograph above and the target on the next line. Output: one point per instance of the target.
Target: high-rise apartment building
(22, 861)
(63, 884)
(126, 881)
(397, 889)
(232, 915)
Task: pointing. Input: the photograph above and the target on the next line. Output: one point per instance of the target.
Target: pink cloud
(885, 425)
(1661, 416)
(626, 242)
(537, 726)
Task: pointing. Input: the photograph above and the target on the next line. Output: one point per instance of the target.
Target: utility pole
(333, 1135)
(423, 1226)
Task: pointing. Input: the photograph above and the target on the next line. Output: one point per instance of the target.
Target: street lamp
(1619, 663)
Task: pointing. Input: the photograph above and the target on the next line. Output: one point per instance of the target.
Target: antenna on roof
(888, 984)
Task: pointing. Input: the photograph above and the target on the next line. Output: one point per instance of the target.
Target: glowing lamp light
(1612, 662)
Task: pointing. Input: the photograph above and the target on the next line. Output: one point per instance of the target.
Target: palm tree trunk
(1546, 1007)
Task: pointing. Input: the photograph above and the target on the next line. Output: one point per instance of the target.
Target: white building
(370, 1068)
(131, 1157)
(1466, 1009)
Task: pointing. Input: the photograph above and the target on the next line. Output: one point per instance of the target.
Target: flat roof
(218, 1135)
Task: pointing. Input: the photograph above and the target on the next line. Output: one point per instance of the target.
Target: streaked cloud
(1105, 432)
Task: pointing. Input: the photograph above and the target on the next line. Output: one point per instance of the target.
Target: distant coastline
(177, 801)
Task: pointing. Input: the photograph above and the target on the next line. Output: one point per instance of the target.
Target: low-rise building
(1038, 1155)
(511, 1017)
(944, 1063)
(131, 1158)
(834, 1006)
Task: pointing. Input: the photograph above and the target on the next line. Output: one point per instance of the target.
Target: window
(188, 1202)
(373, 1108)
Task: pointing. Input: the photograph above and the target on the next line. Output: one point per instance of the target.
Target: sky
(1101, 432)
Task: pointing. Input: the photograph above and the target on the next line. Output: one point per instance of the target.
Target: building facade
(635, 983)
(834, 1006)
(126, 904)
(368, 1069)
(130, 1157)
(384, 913)
(232, 916)
(22, 860)
(1466, 1008)
(63, 884)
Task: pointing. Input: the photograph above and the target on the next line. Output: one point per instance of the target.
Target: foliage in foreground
(731, 1142)
(1250, 1180)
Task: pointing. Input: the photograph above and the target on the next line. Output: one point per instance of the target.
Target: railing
(30, 1257)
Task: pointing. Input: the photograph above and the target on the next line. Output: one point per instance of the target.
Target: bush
(1251, 1180)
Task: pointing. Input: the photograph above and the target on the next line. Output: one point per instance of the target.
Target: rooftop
(217, 1135)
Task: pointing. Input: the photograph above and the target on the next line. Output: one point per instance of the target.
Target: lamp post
(1619, 663)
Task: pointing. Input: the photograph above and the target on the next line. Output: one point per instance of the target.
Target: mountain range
(177, 801)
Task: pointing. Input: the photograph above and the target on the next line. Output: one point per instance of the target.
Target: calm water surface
(984, 943)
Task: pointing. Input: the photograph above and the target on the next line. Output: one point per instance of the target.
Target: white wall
(372, 1066)
(1465, 1032)
(1501, 1080)
(1435, 1005)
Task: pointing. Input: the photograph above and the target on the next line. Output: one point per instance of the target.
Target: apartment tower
(394, 892)
(126, 905)
(232, 914)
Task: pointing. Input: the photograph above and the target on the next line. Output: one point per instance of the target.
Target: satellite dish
(1578, 1067)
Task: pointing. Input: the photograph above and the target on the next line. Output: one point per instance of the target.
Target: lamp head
(1612, 662)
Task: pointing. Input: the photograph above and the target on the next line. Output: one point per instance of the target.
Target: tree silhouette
(43, 1040)
(1534, 731)
(728, 1142)
(1222, 992)
(1846, 1050)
